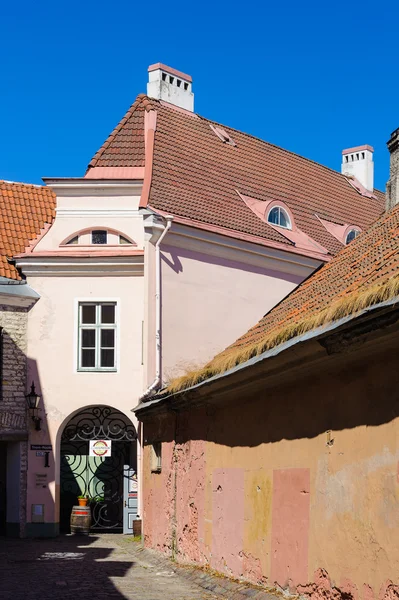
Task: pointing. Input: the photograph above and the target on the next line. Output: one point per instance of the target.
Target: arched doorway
(109, 481)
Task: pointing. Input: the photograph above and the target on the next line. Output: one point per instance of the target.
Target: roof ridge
(35, 185)
(250, 135)
(141, 99)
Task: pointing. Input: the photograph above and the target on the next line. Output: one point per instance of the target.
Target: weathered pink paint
(159, 504)
(228, 520)
(190, 500)
(290, 526)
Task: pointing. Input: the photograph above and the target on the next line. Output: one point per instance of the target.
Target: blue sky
(313, 77)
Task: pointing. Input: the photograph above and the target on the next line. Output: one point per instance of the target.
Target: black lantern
(32, 400)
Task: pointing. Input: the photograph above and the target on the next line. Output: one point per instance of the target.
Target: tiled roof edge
(141, 99)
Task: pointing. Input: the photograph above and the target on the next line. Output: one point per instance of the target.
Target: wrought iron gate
(101, 478)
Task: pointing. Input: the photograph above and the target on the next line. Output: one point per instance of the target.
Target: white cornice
(98, 187)
(82, 267)
(110, 212)
(213, 244)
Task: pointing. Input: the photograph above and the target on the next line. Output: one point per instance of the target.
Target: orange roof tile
(24, 210)
(196, 176)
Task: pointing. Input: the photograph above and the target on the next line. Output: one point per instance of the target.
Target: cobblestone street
(104, 566)
(96, 567)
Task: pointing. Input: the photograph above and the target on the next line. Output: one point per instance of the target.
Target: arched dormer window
(279, 216)
(351, 235)
(98, 237)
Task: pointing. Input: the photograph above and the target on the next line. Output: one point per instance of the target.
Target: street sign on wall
(100, 448)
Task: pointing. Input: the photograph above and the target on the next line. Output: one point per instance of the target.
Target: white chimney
(358, 162)
(165, 83)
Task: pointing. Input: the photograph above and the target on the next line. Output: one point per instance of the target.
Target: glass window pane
(284, 222)
(88, 313)
(107, 338)
(107, 358)
(74, 240)
(123, 240)
(108, 313)
(88, 358)
(273, 216)
(88, 338)
(98, 237)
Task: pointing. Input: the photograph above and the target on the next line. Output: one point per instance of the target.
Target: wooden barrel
(81, 520)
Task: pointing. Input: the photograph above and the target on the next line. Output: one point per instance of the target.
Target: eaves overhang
(184, 397)
(17, 293)
(83, 264)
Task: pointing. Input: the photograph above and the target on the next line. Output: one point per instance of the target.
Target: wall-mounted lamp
(32, 400)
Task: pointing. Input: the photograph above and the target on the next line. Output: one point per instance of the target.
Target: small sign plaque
(100, 448)
(40, 480)
(41, 447)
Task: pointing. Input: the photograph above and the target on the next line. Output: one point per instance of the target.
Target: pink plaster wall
(290, 526)
(228, 520)
(208, 302)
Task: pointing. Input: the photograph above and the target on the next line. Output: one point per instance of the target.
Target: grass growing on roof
(345, 306)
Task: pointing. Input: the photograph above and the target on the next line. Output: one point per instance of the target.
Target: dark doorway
(3, 487)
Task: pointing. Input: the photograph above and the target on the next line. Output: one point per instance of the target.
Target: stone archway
(101, 478)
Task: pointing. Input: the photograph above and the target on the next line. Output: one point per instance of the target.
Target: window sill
(96, 370)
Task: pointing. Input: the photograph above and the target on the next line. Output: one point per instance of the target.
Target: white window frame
(156, 457)
(357, 232)
(280, 209)
(97, 327)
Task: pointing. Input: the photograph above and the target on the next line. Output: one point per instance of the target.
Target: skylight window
(223, 135)
(352, 234)
(278, 216)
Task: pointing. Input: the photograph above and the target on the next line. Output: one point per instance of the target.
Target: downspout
(158, 378)
(158, 352)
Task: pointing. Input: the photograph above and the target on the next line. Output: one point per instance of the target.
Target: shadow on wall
(66, 567)
(341, 397)
(175, 254)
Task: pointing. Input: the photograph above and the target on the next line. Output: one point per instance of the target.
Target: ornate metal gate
(101, 478)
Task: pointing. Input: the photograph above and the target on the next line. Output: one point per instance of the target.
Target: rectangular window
(97, 336)
(156, 457)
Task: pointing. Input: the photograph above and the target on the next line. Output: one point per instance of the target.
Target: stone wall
(13, 413)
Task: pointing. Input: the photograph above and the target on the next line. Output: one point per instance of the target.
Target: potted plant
(83, 500)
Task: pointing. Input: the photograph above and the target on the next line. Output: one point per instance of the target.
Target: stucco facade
(287, 474)
(205, 278)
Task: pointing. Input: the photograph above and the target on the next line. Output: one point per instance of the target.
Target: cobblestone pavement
(102, 567)
(97, 567)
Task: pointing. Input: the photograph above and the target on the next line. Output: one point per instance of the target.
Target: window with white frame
(279, 216)
(97, 336)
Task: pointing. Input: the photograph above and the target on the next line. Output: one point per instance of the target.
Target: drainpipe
(158, 379)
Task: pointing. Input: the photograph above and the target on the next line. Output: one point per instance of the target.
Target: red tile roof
(364, 273)
(372, 259)
(196, 176)
(24, 211)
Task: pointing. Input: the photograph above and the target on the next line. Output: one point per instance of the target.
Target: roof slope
(196, 176)
(24, 211)
(364, 273)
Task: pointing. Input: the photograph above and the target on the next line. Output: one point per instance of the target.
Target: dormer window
(99, 236)
(278, 216)
(352, 234)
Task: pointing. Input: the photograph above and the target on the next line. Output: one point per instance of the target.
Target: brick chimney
(358, 162)
(392, 194)
(165, 83)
